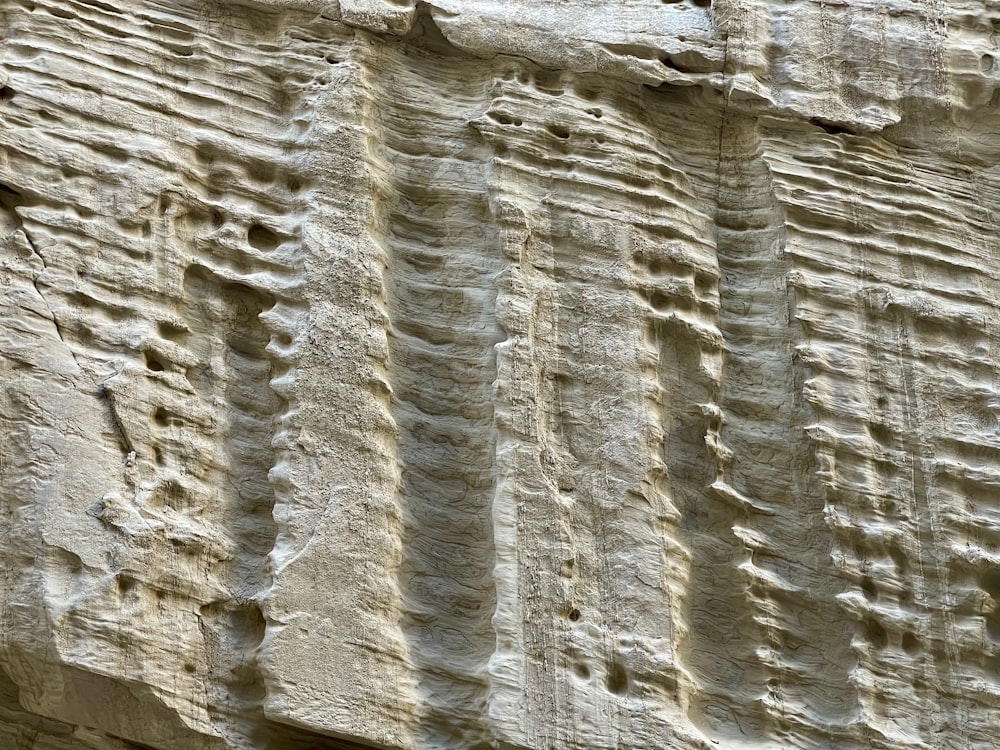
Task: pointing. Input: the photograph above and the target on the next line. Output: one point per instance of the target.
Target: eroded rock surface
(573, 375)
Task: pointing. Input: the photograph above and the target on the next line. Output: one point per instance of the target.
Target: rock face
(568, 375)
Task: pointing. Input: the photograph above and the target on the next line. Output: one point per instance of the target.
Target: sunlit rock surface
(563, 375)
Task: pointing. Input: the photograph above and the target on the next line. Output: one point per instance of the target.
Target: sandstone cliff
(530, 375)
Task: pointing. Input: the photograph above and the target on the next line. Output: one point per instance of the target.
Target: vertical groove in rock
(440, 298)
(795, 633)
(684, 347)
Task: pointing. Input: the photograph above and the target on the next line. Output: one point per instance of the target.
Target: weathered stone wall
(568, 375)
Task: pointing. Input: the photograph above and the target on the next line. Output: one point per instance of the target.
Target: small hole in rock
(868, 587)
(574, 615)
(880, 432)
(660, 300)
(986, 63)
(910, 644)
(704, 284)
(262, 238)
(991, 583)
(162, 417)
(876, 634)
(260, 170)
(898, 558)
(617, 678)
(6, 93)
(549, 82)
(830, 127)
(170, 330)
(906, 598)
(9, 198)
(206, 153)
(154, 364)
(332, 60)
(583, 671)
(559, 131)
(190, 668)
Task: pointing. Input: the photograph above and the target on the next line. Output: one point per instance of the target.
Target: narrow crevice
(425, 33)
(441, 304)
(831, 127)
(779, 505)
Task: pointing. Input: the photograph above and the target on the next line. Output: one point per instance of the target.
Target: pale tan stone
(565, 375)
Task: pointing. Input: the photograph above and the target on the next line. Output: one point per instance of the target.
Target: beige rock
(522, 375)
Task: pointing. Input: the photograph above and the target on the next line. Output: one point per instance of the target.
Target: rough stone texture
(567, 375)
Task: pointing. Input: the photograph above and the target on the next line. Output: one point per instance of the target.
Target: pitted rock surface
(571, 375)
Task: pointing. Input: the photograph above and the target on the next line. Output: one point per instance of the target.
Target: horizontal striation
(477, 375)
(898, 340)
(440, 298)
(593, 569)
(159, 186)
